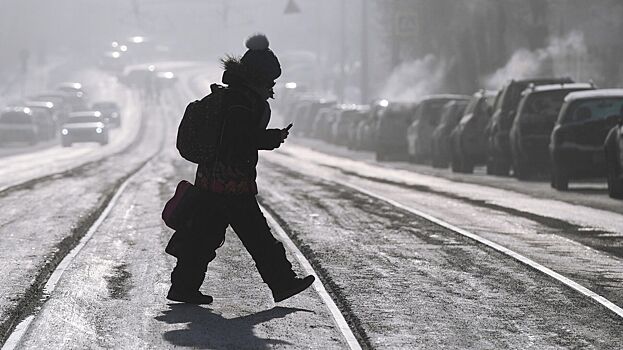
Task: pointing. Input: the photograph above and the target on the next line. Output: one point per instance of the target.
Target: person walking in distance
(228, 183)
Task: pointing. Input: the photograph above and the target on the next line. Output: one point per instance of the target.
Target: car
(17, 124)
(577, 141)
(467, 141)
(391, 130)
(499, 158)
(70, 87)
(138, 76)
(165, 79)
(304, 116)
(366, 129)
(426, 119)
(533, 124)
(613, 149)
(343, 127)
(71, 102)
(324, 122)
(110, 110)
(113, 61)
(450, 117)
(45, 117)
(87, 126)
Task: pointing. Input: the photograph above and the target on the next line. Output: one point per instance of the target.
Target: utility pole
(365, 93)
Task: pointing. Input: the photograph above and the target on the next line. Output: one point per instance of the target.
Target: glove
(271, 139)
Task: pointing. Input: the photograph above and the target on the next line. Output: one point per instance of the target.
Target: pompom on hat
(260, 59)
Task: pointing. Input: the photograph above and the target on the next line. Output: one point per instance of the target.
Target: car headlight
(64, 131)
(99, 130)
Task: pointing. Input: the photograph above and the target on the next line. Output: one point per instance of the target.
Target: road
(84, 266)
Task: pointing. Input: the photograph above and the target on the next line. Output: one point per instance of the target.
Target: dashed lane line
(533, 264)
(318, 286)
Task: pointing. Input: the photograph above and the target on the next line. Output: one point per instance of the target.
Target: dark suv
(426, 119)
(498, 143)
(468, 142)
(440, 152)
(391, 137)
(533, 124)
(577, 141)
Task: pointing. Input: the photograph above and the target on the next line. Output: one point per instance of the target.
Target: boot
(195, 297)
(291, 287)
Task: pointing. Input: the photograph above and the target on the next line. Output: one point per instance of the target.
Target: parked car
(391, 137)
(613, 148)
(450, 117)
(324, 122)
(426, 119)
(366, 130)
(536, 114)
(87, 126)
(467, 140)
(344, 124)
(17, 124)
(110, 111)
(577, 140)
(498, 147)
(304, 117)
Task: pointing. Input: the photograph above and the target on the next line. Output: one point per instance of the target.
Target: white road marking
(320, 289)
(50, 285)
(566, 281)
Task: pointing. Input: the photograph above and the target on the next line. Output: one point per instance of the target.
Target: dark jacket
(244, 133)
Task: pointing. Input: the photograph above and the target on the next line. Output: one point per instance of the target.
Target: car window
(545, 105)
(594, 109)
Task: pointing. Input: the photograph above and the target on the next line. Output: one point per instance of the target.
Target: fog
(396, 49)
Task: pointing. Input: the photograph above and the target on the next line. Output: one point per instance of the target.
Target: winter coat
(246, 117)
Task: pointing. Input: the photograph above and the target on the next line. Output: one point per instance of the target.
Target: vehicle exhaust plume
(412, 80)
(551, 60)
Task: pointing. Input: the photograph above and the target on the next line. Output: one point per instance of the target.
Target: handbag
(179, 209)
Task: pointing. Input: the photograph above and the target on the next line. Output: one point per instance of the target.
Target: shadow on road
(206, 329)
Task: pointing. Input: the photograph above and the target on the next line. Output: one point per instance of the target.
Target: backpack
(200, 131)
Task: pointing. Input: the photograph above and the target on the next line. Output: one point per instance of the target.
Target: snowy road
(399, 280)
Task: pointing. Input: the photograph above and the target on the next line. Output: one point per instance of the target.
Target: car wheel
(560, 180)
(380, 157)
(490, 167)
(615, 183)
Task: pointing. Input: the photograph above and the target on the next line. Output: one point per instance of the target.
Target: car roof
(17, 109)
(542, 80)
(445, 97)
(588, 94)
(555, 87)
(69, 85)
(485, 93)
(96, 114)
(41, 104)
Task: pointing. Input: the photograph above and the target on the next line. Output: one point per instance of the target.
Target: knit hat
(260, 60)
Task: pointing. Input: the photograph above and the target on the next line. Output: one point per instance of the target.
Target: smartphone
(289, 126)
